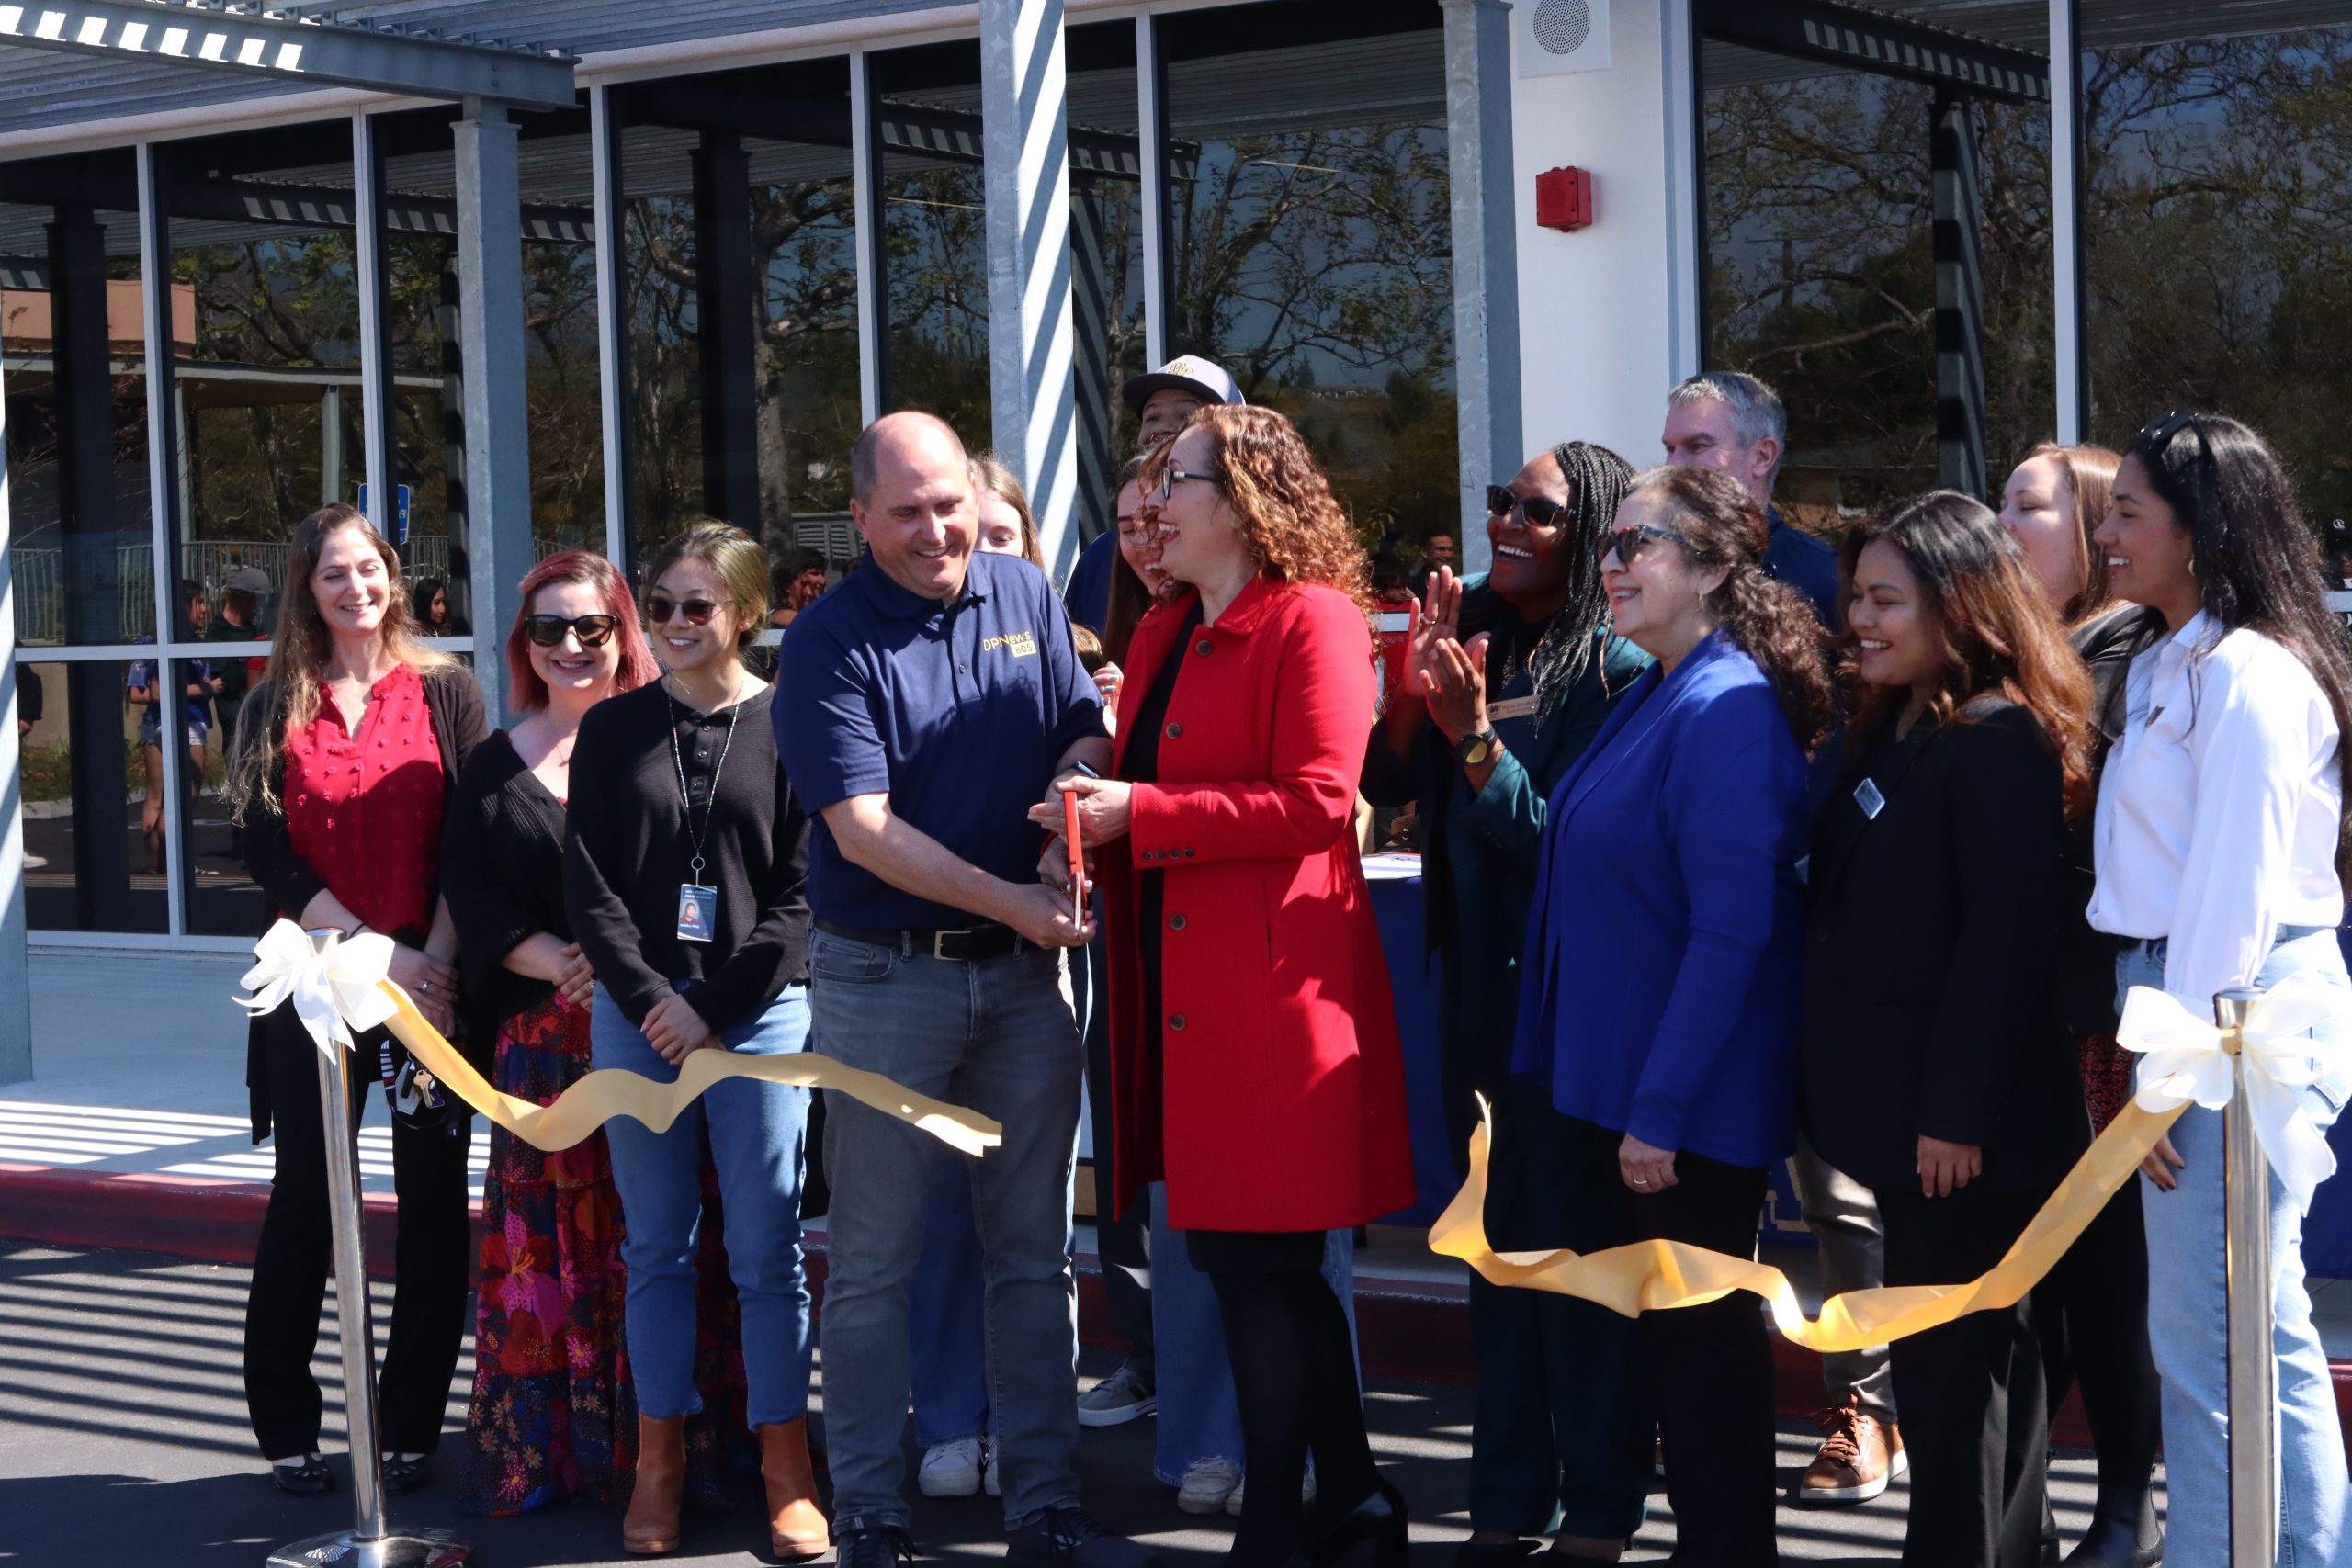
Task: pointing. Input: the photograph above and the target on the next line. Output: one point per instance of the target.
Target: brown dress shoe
(650, 1527)
(796, 1527)
(1860, 1454)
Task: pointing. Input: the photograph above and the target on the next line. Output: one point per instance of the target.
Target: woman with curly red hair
(1253, 1040)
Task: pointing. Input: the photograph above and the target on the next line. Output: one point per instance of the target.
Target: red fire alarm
(1563, 198)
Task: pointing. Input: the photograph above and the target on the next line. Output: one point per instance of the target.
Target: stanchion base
(343, 1549)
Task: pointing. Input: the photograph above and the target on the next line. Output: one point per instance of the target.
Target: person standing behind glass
(1668, 893)
(1938, 1068)
(334, 845)
(2221, 843)
(1509, 678)
(547, 1382)
(2092, 1309)
(685, 878)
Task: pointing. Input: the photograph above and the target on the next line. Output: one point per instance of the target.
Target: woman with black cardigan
(347, 755)
(545, 1421)
(1938, 1070)
(685, 880)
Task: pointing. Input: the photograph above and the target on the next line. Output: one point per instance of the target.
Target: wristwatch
(1476, 750)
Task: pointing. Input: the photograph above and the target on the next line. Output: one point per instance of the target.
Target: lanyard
(686, 800)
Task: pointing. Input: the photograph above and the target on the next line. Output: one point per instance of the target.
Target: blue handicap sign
(402, 495)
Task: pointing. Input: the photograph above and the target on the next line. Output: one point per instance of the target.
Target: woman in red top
(346, 754)
(1253, 1038)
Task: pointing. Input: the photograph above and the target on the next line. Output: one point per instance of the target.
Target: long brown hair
(993, 477)
(2090, 474)
(1129, 598)
(299, 655)
(1281, 503)
(1993, 625)
(1721, 524)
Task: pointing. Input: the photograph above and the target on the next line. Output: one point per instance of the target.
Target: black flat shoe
(407, 1474)
(1494, 1553)
(311, 1478)
(1370, 1535)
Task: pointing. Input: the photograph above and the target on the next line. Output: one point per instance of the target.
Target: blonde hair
(2090, 474)
(737, 560)
(989, 475)
(299, 655)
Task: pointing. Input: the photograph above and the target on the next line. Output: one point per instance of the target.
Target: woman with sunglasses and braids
(1509, 678)
(2221, 854)
(1661, 979)
(685, 879)
(548, 1301)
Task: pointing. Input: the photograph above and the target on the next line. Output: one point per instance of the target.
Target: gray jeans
(1843, 1215)
(996, 1037)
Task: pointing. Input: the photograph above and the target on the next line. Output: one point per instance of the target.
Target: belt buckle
(939, 943)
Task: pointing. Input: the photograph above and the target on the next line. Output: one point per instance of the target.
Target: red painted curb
(1417, 1331)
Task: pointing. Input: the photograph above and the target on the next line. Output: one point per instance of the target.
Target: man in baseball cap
(1164, 400)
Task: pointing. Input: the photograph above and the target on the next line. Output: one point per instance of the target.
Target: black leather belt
(968, 946)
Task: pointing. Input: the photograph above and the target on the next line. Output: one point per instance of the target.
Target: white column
(375, 378)
(156, 326)
(1486, 259)
(1151, 141)
(1030, 336)
(611, 330)
(2065, 212)
(16, 982)
(490, 340)
(1685, 245)
(866, 213)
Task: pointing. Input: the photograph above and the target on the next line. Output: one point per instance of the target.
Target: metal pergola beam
(321, 50)
(222, 200)
(1860, 38)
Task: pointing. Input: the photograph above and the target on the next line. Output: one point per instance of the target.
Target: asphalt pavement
(123, 1441)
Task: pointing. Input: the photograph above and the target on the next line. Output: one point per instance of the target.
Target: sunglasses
(547, 631)
(1540, 512)
(1629, 544)
(2157, 433)
(659, 608)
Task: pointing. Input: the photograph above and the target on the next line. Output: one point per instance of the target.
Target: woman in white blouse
(2222, 857)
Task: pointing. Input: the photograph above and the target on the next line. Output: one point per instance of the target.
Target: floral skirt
(2106, 1079)
(552, 1416)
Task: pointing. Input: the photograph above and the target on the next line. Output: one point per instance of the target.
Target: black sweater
(628, 851)
(501, 867)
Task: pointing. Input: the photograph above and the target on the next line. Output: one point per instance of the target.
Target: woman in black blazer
(1938, 1070)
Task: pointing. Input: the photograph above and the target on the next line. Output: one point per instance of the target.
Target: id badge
(697, 912)
(1867, 796)
(1512, 707)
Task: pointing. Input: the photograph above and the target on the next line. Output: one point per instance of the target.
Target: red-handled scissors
(1077, 858)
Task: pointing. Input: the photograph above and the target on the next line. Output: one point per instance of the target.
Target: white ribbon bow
(334, 988)
(2182, 1060)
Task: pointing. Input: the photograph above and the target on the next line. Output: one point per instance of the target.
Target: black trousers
(1119, 1242)
(1709, 1367)
(1971, 1392)
(2092, 1312)
(431, 1261)
(1563, 1426)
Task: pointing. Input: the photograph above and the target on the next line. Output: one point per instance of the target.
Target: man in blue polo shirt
(923, 706)
(1733, 421)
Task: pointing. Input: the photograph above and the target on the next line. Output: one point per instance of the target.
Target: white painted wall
(1596, 310)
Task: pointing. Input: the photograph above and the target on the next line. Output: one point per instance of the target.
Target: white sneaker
(1125, 1394)
(952, 1470)
(1208, 1483)
(990, 1482)
(1306, 1491)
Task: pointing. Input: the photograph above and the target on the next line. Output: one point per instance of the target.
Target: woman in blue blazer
(1662, 980)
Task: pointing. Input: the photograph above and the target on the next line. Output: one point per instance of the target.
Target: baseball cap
(1190, 373)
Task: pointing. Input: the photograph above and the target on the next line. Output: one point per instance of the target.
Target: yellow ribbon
(608, 1092)
(1655, 1276)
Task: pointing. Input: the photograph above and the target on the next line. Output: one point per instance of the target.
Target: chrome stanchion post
(2253, 1371)
(369, 1543)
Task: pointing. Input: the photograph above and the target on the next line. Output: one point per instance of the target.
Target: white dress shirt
(2218, 809)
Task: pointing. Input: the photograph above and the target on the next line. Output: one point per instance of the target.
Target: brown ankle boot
(650, 1527)
(796, 1527)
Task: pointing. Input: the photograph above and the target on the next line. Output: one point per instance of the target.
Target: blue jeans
(757, 1137)
(2187, 1316)
(1200, 1416)
(995, 1036)
(947, 1311)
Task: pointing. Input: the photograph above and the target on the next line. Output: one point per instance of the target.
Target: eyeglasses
(1540, 512)
(1628, 544)
(547, 631)
(659, 608)
(1173, 476)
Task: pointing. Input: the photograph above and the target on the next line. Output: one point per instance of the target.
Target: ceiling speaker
(1554, 38)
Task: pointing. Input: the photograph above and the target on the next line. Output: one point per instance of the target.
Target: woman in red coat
(1253, 1041)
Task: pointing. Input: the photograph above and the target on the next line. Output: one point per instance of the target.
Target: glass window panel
(1310, 242)
(73, 333)
(91, 862)
(2217, 234)
(933, 211)
(1820, 267)
(1106, 255)
(260, 229)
